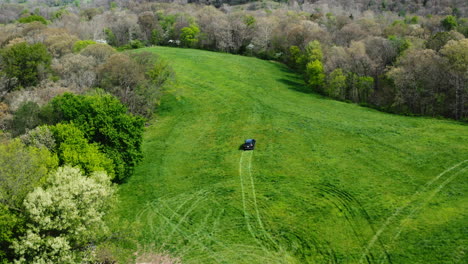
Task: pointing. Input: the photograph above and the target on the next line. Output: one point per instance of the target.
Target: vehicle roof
(249, 140)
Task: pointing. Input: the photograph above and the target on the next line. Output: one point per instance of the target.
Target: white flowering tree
(63, 216)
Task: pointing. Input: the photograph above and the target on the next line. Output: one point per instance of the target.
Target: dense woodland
(75, 97)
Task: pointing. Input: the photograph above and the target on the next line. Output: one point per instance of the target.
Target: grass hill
(329, 182)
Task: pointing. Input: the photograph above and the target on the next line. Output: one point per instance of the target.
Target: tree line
(366, 53)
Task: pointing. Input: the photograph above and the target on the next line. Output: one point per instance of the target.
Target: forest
(75, 98)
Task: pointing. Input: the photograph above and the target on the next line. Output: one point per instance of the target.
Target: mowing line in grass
(391, 218)
(254, 195)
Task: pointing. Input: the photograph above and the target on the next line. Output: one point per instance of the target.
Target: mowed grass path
(329, 182)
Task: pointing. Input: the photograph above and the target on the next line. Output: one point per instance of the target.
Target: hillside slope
(329, 182)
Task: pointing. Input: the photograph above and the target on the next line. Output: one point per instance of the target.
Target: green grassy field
(329, 182)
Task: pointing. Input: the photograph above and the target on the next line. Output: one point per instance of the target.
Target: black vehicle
(249, 144)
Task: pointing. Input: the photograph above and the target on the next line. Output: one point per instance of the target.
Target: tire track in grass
(392, 217)
(425, 202)
(263, 232)
(353, 213)
(254, 195)
(244, 206)
(177, 228)
(195, 237)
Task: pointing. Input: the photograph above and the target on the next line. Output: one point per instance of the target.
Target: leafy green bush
(189, 35)
(33, 18)
(73, 149)
(449, 22)
(103, 120)
(24, 62)
(133, 44)
(22, 169)
(81, 44)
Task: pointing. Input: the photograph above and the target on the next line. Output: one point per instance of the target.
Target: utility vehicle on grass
(249, 144)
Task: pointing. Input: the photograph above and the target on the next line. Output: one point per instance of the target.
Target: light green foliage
(73, 149)
(457, 54)
(64, 216)
(81, 44)
(33, 18)
(297, 59)
(22, 61)
(449, 23)
(189, 35)
(314, 51)
(315, 75)
(21, 170)
(104, 120)
(336, 86)
(324, 179)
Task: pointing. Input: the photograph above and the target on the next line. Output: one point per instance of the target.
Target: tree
(297, 58)
(314, 51)
(33, 18)
(137, 81)
(457, 54)
(59, 42)
(81, 44)
(449, 23)
(336, 87)
(104, 120)
(121, 76)
(26, 117)
(73, 149)
(438, 40)
(100, 52)
(10, 226)
(21, 170)
(365, 86)
(40, 137)
(111, 39)
(64, 216)
(149, 25)
(24, 62)
(77, 71)
(189, 35)
(315, 75)
(420, 82)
